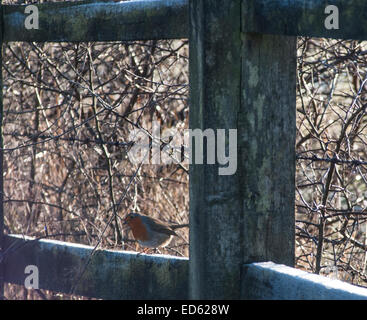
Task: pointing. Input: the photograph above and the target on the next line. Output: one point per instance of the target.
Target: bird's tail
(178, 226)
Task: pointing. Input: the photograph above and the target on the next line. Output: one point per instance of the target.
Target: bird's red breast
(138, 229)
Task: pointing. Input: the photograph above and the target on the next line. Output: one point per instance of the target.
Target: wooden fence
(242, 76)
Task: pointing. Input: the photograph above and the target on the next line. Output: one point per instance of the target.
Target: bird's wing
(159, 226)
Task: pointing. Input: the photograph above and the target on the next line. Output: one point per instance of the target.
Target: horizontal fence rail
(169, 19)
(99, 21)
(267, 280)
(107, 275)
(128, 275)
(305, 18)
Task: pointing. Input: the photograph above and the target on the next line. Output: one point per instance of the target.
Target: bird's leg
(145, 250)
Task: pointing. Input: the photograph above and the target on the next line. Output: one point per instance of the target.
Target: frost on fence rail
(99, 21)
(267, 280)
(108, 274)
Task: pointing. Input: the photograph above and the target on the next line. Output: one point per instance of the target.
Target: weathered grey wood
(160, 19)
(267, 128)
(246, 82)
(306, 18)
(215, 202)
(100, 21)
(268, 280)
(168, 19)
(109, 274)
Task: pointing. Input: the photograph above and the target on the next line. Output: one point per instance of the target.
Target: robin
(151, 232)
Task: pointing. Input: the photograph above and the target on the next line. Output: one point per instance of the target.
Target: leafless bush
(69, 110)
(331, 151)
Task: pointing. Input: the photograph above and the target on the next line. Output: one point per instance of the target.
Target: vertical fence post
(245, 82)
(215, 203)
(267, 126)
